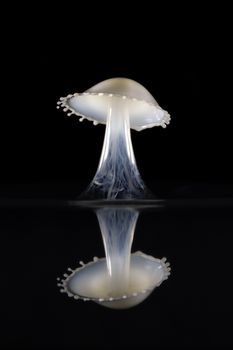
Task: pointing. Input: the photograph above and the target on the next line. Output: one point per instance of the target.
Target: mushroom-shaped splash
(121, 280)
(121, 104)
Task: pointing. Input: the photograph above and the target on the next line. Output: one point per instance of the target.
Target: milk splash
(121, 279)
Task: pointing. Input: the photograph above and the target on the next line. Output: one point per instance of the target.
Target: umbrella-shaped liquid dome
(122, 279)
(121, 104)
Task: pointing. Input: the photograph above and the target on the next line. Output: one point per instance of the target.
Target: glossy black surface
(193, 307)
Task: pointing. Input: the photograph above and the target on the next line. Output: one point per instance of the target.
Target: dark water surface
(40, 239)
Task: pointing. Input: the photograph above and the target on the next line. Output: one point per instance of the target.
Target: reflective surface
(193, 307)
(121, 279)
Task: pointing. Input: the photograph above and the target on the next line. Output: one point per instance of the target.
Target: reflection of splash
(122, 279)
(117, 226)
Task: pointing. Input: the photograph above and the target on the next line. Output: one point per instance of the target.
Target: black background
(183, 58)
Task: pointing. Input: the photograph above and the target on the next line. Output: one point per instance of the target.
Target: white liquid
(117, 226)
(117, 176)
(122, 279)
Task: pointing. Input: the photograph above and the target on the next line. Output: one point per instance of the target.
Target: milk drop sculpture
(121, 280)
(122, 104)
